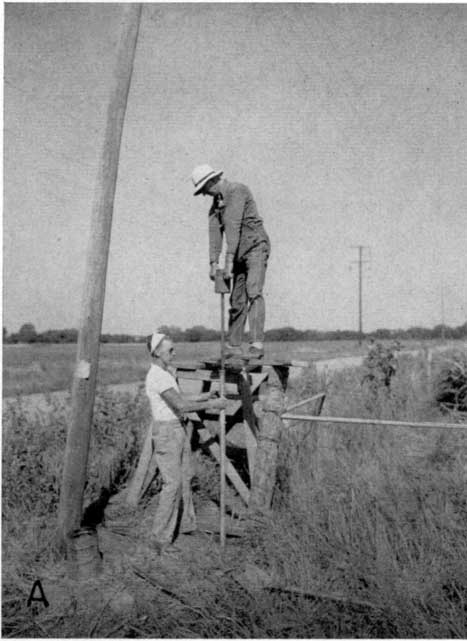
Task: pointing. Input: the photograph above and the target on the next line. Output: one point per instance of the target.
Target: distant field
(28, 369)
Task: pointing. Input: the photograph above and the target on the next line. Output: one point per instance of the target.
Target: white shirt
(158, 381)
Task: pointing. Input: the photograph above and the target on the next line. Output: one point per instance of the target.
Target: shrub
(451, 382)
(379, 366)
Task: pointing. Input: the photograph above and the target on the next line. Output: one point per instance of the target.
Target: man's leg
(256, 263)
(188, 522)
(238, 306)
(168, 452)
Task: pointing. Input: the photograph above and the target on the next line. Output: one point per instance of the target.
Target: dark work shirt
(234, 213)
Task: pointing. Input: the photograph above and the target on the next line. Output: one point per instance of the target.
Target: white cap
(156, 340)
(201, 175)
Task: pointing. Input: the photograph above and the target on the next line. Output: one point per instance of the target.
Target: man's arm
(181, 405)
(215, 236)
(233, 217)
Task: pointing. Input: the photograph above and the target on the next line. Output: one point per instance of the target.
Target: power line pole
(360, 262)
(443, 329)
(84, 378)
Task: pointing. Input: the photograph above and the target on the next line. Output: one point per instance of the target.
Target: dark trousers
(246, 298)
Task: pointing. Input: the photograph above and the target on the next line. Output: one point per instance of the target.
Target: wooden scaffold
(256, 399)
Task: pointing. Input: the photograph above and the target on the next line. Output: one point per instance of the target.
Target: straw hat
(201, 175)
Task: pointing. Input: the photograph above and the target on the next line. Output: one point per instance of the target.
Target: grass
(366, 538)
(35, 368)
(380, 515)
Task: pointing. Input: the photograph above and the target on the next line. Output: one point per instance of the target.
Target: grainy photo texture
(234, 320)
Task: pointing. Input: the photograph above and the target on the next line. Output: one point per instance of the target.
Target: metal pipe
(222, 427)
(370, 421)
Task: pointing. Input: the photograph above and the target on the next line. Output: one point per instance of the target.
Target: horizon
(271, 329)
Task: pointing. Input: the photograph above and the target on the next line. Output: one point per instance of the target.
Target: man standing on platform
(234, 214)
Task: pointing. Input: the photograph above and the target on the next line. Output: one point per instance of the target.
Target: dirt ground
(139, 593)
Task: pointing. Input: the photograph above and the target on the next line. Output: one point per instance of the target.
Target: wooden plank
(232, 474)
(240, 363)
(188, 365)
(257, 362)
(206, 375)
(197, 375)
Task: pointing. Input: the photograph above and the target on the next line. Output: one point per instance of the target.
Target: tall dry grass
(376, 516)
(32, 464)
(366, 537)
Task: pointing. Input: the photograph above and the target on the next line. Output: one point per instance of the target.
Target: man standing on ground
(172, 442)
(234, 214)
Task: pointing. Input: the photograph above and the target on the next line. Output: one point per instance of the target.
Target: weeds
(451, 382)
(32, 462)
(376, 514)
(366, 537)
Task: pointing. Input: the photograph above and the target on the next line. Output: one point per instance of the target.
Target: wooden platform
(237, 364)
(244, 379)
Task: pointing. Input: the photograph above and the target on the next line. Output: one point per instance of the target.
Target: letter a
(41, 598)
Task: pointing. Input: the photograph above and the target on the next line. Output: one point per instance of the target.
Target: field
(366, 537)
(29, 369)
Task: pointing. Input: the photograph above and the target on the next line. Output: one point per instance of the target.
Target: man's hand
(218, 403)
(207, 396)
(228, 268)
(212, 271)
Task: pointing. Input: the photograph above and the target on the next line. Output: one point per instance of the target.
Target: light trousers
(172, 442)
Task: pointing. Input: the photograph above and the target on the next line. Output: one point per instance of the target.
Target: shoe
(256, 351)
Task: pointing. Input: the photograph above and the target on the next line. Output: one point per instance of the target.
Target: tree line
(28, 334)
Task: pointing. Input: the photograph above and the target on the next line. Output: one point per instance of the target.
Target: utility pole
(360, 293)
(84, 378)
(443, 329)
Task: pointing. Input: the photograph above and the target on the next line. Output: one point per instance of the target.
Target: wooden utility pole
(84, 379)
(443, 327)
(360, 293)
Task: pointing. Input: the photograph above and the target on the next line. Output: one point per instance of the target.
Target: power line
(360, 262)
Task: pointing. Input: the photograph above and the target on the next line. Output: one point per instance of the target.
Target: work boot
(256, 350)
(231, 351)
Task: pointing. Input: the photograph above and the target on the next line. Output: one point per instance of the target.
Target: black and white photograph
(234, 308)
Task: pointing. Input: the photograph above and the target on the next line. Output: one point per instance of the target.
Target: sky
(347, 122)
